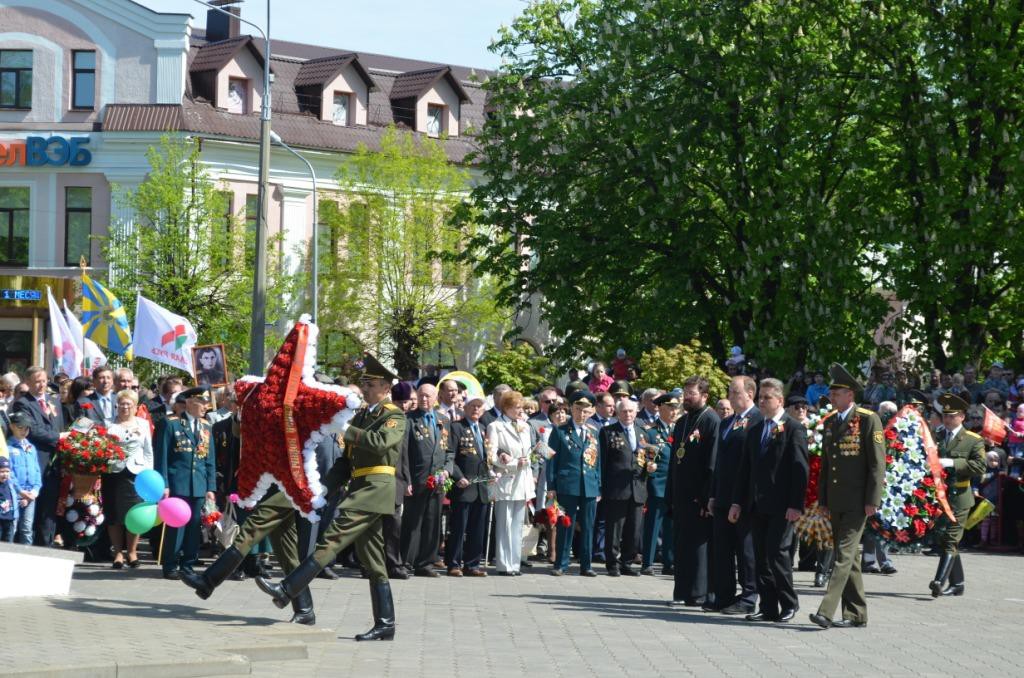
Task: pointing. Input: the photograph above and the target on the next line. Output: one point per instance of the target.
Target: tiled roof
(213, 56)
(142, 118)
(325, 69)
(415, 83)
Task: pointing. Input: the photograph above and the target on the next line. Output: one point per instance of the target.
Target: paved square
(134, 623)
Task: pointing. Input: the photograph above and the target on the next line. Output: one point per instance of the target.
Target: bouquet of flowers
(438, 481)
(541, 449)
(552, 515)
(915, 492)
(88, 449)
(210, 515)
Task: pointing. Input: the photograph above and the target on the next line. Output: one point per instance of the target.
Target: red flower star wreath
(283, 417)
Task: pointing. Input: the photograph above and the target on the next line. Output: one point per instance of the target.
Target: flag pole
(82, 264)
(160, 551)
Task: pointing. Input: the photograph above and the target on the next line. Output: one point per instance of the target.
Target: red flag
(994, 428)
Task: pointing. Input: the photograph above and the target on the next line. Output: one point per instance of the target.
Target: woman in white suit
(509, 443)
(119, 485)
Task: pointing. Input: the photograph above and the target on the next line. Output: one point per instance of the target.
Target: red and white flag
(67, 354)
(162, 336)
(993, 428)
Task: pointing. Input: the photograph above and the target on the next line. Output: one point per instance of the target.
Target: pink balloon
(174, 511)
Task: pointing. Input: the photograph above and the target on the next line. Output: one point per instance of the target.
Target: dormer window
(238, 95)
(342, 108)
(436, 118)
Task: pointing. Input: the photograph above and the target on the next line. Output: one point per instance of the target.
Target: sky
(415, 29)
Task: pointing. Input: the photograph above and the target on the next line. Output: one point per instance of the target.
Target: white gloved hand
(946, 463)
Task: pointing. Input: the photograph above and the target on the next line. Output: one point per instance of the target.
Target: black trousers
(393, 539)
(623, 519)
(733, 560)
(692, 535)
(465, 544)
(772, 537)
(421, 528)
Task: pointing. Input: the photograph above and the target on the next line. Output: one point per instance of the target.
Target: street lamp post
(314, 291)
(259, 283)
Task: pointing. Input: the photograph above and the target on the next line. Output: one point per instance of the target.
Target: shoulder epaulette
(861, 410)
(392, 407)
(173, 417)
(971, 434)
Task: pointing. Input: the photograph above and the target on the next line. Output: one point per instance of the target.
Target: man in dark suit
(102, 401)
(427, 436)
(184, 453)
(47, 423)
(163, 405)
(624, 469)
(734, 546)
(449, 399)
(770, 487)
(401, 397)
(470, 495)
(492, 415)
(694, 447)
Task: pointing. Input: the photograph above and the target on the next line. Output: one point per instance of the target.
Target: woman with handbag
(508, 451)
(119, 485)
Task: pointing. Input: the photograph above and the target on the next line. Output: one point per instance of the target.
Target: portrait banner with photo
(211, 367)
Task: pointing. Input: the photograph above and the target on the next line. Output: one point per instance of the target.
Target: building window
(238, 95)
(435, 120)
(14, 226)
(252, 213)
(342, 106)
(16, 78)
(83, 85)
(77, 224)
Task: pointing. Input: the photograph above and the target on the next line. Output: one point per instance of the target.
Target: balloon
(72, 516)
(175, 511)
(473, 387)
(150, 486)
(141, 518)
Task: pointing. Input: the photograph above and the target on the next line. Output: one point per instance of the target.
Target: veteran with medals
(850, 488)
(574, 476)
(962, 454)
(373, 443)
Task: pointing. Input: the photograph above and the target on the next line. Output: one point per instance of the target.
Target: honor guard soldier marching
(850, 488)
(185, 456)
(372, 444)
(962, 454)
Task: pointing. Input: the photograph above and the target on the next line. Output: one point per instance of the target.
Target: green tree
(385, 278)
(669, 368)
(519, 366)
(658, 170)
(185, 252)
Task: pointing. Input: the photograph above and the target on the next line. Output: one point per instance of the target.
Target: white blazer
(514, 439)
(137, 444)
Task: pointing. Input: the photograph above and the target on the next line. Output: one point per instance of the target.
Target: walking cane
(487, 534)
(160, 551)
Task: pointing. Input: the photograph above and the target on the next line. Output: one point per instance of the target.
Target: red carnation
(86, 406)
(671, 440)
(919, 527)
(902, 536)
(888, 459)
(911, 510)
(929, 481)
(890, 434)
(564, 521)
(920, 493)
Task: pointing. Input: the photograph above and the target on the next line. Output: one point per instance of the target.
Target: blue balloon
(150, 485)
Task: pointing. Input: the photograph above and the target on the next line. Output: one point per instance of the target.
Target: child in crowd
(8, 502)
(987, 487)
(26, 471)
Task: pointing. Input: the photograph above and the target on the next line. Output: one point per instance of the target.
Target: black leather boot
(956, 579)
(945, 565)
(292, 585)
(826, 559)
(215, 574)
(302, 606)
(251, 566)
(383, 613)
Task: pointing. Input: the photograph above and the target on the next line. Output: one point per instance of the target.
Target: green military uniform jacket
(374, 439)
(967, 450)
(853, 462)
(187, 462)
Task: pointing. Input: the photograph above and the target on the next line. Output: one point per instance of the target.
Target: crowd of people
(634, 483)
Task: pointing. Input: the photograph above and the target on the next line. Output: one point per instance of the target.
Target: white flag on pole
(93, 357)
(162, 336)
(67, 355)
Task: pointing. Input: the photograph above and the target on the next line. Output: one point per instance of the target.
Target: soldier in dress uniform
(574, 479)
(185, 456)
(373, 443)
(962, 453)
(850, 487)
(656, 520)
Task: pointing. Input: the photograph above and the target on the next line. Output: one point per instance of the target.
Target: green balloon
(141, 518)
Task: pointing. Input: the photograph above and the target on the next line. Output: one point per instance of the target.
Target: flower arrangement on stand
(85, 514)
(814, 527)
(87, 451)
(915, 493)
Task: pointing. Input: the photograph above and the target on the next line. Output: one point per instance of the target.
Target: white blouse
(137, 443)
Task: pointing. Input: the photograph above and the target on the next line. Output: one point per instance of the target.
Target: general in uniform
(850, 486)
(962, 454)
(185, 456)
(373, 444)
(574, 478)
